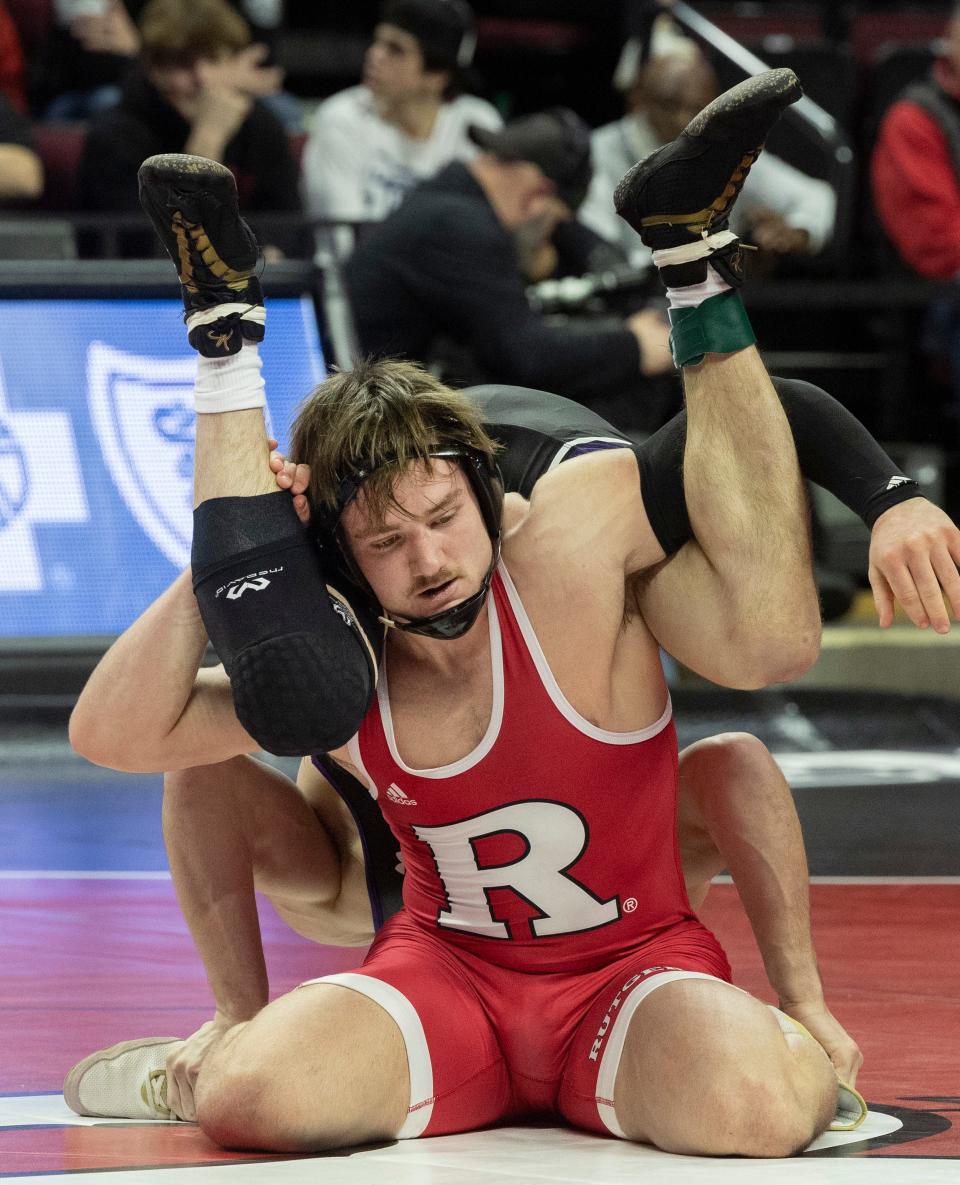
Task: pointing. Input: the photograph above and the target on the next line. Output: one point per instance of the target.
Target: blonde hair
(378, 418)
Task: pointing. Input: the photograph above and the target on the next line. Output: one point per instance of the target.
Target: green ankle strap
(718, 326)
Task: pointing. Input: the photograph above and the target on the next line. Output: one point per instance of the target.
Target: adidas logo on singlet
(395, 794)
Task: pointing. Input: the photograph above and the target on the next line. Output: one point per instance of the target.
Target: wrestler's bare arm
(148, 706)
(242, 826)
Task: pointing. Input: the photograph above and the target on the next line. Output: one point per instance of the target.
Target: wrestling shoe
(851, 1108)
(679, 199)
(126, 1081)
(192, 203)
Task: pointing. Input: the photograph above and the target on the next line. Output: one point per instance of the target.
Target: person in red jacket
(915, 178)
(11, 61)
(915, 170)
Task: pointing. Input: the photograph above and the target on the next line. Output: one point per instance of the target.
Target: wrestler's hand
(822, 1025)
(293, 477)
(183, 1066)
(914, 553)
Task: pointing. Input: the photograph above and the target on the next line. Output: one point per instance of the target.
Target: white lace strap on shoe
(126, 1081)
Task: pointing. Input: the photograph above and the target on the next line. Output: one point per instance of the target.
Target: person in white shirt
(370, 144)
(781, 210)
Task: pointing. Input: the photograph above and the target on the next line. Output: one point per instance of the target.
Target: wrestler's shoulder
(571, 500)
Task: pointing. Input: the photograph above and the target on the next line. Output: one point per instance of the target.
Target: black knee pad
(304, 692)
(301, 665)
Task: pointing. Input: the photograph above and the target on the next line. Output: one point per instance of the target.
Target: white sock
(695, 294)
(691, 295)
(230, 384)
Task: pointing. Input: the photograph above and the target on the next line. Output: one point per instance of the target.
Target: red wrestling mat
(890, 961)
(92, 962)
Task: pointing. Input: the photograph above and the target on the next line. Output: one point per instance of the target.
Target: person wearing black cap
(446, 264)
(370, 144)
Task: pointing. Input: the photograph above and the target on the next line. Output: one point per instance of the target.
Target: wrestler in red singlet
(543, 896)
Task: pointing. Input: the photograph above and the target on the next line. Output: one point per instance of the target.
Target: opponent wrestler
(604, 481)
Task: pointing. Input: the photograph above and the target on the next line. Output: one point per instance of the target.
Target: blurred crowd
(455, 219)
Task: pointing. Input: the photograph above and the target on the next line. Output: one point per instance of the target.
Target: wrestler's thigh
(322, 1067)
(683, 1060)
(458, 1079)
(265, 819)
(706, 1070)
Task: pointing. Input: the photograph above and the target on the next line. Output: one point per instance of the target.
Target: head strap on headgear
(485, 480)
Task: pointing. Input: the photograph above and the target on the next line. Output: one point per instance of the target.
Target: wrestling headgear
(483, 473)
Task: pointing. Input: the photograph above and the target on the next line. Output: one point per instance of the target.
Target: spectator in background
(915, 178)
(446, 263)
(21, 173)
(11, 61)
(915, 169)
(197, 89)
(780, 210)
(370, 144)
(79, 71)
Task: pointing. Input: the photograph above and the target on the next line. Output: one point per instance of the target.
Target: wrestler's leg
(400, 1048)
(738, 603)
(301, 638)
(706, 1070)
(323, 1067)
(736, 812)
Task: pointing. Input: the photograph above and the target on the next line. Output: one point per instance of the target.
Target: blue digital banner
(96, 452)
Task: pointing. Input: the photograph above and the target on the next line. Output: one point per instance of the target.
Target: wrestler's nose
(426, 552)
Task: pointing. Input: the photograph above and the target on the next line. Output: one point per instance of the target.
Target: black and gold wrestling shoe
(192, 203)
(683, 193)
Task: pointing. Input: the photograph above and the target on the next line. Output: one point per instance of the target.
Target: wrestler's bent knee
(705, 1073)
(300, 660)
(722, 755)
(734, 1114)
(317, 1069)
(242, 1106)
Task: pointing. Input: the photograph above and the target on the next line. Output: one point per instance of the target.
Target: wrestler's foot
(685, 191)
(192, 203)
(851, 1108)
(126, 1081)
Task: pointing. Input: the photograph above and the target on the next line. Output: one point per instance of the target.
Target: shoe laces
(153, 1091)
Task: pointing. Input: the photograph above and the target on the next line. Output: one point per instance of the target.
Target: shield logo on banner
(142, 411)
